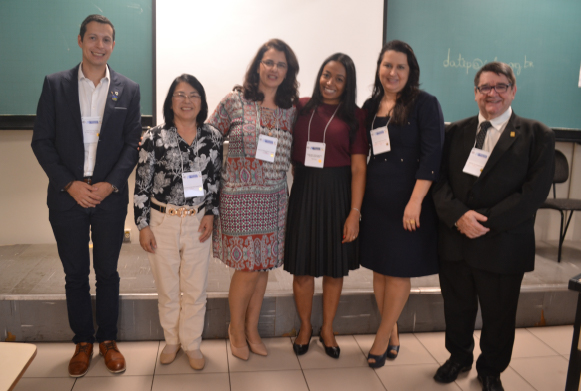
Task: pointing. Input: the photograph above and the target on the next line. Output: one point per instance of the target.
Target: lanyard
(258, 120)
(195, 145)
(325, 132)
(373, 122)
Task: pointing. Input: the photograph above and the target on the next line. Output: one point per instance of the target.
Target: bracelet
(68, 186)
(356, 210)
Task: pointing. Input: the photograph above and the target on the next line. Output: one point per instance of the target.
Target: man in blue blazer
(496, 171)
(87, 128)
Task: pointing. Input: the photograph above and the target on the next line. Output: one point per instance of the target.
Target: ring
(412, 221)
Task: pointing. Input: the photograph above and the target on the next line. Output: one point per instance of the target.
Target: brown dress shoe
(79, 364)
(114, 360)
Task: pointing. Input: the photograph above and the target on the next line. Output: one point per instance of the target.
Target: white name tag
(476, 162)
(193, 184)
(91, 129)
(315, 154)
(266, 148)
(380, 140)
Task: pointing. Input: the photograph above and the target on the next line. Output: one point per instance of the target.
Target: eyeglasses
(270, 64)
(500, 88)
(182, 96)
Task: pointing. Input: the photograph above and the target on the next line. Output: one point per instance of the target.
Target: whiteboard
(216, 40)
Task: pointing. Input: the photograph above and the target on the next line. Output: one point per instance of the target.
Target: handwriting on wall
(461, 62)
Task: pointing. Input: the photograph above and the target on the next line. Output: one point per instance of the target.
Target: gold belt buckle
(182, 212)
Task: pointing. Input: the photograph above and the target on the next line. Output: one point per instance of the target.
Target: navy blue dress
(416, 152)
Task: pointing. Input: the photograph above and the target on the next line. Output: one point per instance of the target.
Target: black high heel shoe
(302, 349)
(332, 351)
(391, 348)
(379, 360)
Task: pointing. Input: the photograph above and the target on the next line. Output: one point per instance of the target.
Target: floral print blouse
(159, 170)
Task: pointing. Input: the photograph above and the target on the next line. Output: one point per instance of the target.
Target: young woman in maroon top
(329, 159)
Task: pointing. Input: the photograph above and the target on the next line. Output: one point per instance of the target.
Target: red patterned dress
(249, 233)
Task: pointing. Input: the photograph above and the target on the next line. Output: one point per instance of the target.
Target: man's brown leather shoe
(114, 360)
(79, 364)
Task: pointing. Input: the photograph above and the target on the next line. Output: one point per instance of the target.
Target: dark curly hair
(168, 114)
(347, 109)
(287, 92)
(406, 97)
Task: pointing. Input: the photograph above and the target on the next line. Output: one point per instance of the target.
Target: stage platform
(33, 308)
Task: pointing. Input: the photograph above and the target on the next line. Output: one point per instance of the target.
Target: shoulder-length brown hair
(406, 97)
(287, 92)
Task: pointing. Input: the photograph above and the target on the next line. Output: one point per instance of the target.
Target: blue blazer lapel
(115, 91)
(509, 135)
(71, 89)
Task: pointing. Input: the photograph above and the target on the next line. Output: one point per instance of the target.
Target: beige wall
(23, 210)
(24, 214)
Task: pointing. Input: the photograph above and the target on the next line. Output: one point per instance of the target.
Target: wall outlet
(127, 236)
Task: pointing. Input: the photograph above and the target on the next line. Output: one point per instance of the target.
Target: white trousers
(180, 266)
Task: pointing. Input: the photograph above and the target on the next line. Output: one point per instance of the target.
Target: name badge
(315, 154)
(91, 127)
(193, 184)
(380, 140)
(476, 162)
(266, 148)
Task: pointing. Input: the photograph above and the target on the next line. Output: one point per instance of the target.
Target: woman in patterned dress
(175, 218)
(249, 233)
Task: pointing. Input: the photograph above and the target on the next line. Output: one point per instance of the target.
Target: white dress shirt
(494, 132)
(92, 100)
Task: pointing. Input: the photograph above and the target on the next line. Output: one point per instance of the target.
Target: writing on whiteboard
(461, 62)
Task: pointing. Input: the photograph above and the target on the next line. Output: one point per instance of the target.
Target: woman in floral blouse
(176, 199)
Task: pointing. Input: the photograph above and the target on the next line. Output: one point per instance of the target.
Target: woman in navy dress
(399, 222)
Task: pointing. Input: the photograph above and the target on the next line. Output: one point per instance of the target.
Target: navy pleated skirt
(319, 204)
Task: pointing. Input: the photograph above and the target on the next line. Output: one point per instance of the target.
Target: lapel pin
(512, 134)
(114, 96)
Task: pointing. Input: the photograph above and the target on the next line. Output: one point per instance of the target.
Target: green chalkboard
(39, 37)
(452, 39)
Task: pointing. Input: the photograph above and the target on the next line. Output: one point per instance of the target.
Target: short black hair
(497, 67)
(95, 18)
(168, 114)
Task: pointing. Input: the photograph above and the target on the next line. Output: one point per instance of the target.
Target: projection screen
(216, 40)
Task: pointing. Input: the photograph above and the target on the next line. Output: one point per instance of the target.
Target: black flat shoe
(332, 351)
(391, 348)
(448, 372)
(379, 360)
(302, 349)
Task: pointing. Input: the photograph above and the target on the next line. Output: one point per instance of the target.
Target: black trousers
(71, 230)
(463, 287)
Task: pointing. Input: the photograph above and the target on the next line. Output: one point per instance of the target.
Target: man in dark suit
(87, 128)
(497, 169)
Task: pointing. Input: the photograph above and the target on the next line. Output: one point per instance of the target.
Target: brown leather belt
(182, 212)
(88, 180)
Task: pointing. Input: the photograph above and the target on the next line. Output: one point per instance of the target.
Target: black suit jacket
(57, 139)
(512, 185)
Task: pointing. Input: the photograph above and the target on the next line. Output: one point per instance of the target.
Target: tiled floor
(539, 362)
